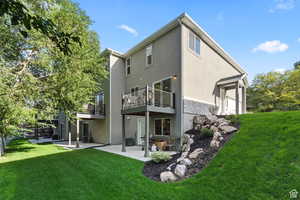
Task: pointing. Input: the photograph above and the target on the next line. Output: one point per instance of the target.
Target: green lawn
(262, 161)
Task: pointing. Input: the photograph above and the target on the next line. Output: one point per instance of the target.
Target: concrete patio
(134, 152)
(82, 145)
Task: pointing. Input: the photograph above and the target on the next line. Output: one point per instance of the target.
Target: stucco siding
(166, 63)
(98, 131)
(201, 72)
(117, 86)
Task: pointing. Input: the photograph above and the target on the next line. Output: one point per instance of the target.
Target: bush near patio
(262, 161)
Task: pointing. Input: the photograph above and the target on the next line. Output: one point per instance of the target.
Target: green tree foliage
(297, 65)
(37, 77)
(17, 14)
(275, 91)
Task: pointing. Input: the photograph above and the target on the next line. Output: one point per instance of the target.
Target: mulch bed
(153, 170)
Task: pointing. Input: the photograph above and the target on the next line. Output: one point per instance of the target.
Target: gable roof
(185, 19)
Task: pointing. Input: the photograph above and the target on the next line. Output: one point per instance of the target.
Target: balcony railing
(154, 97)
(93, 109)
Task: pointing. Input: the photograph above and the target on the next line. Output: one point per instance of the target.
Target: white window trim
(195, 37)
(130, 66)
(162, 130)
(150, 54)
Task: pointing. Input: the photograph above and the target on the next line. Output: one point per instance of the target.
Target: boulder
(217, 135)
(180, 170)
(185, 148)
(169, 168)
(167, 176)
(200, 120)
(215, 144)
(196, 153)
(214, 128)
(212, 118)
(228, 129)
(186, 162)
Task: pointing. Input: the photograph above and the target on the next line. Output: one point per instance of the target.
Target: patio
(134, 152)
(82, 145)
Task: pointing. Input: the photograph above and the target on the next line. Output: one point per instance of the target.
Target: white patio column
(244, 100)
(237, 98)
(123, 134)
(77, 133)
(146, 134)
(222, 95)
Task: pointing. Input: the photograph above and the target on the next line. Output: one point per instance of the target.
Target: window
(134, 91)
(162, 127)
(149, 57)
(194, 43)
(128, 65)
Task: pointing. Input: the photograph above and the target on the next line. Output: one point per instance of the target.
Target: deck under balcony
(149, 100)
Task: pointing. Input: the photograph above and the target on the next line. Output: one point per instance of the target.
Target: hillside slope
(262, 161)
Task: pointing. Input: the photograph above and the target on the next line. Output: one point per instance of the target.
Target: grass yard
(262, 161)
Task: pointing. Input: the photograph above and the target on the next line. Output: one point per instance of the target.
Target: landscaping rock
(180, 170)
(167, 176)
(212, 118)
(214, 128)
(217, 135)
(196, 153)
(200, 120)
(169, 168)
(214, 144)
(186, 162)
(228, 129)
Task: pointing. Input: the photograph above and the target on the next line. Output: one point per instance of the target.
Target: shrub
(207, 132)
(160, 156)
(234, 119)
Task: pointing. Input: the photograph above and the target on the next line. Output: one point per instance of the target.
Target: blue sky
(261, 35)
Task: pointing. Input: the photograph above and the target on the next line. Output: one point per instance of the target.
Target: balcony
(148, 99)
(94, 111)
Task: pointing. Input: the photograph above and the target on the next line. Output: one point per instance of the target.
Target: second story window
(128, 66)
(149, 57)
(194, 43)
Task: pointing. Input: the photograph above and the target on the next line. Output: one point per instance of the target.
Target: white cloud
(271, 47)
(220, 16)
(280, 70)
(128, 29)
(298, 39)
(283, 5)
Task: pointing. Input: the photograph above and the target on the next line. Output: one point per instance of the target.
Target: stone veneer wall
(194, 108)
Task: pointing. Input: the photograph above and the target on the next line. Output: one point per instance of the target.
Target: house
(155, 89)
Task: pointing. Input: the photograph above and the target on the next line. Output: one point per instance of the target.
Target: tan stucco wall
(200, 73)
(98, 131)
(166, 63)
(117, 86)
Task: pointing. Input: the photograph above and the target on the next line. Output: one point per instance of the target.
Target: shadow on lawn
(18, 149)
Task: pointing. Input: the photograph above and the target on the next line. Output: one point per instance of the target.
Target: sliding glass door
(162, 93)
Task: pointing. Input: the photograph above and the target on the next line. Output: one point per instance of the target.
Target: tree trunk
(2, 146)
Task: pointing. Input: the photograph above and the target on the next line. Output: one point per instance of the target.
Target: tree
(275, 91)
(17, 14)
(297, 65)
(41, 78)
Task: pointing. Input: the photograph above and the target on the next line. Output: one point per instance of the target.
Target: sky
(261, 35)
